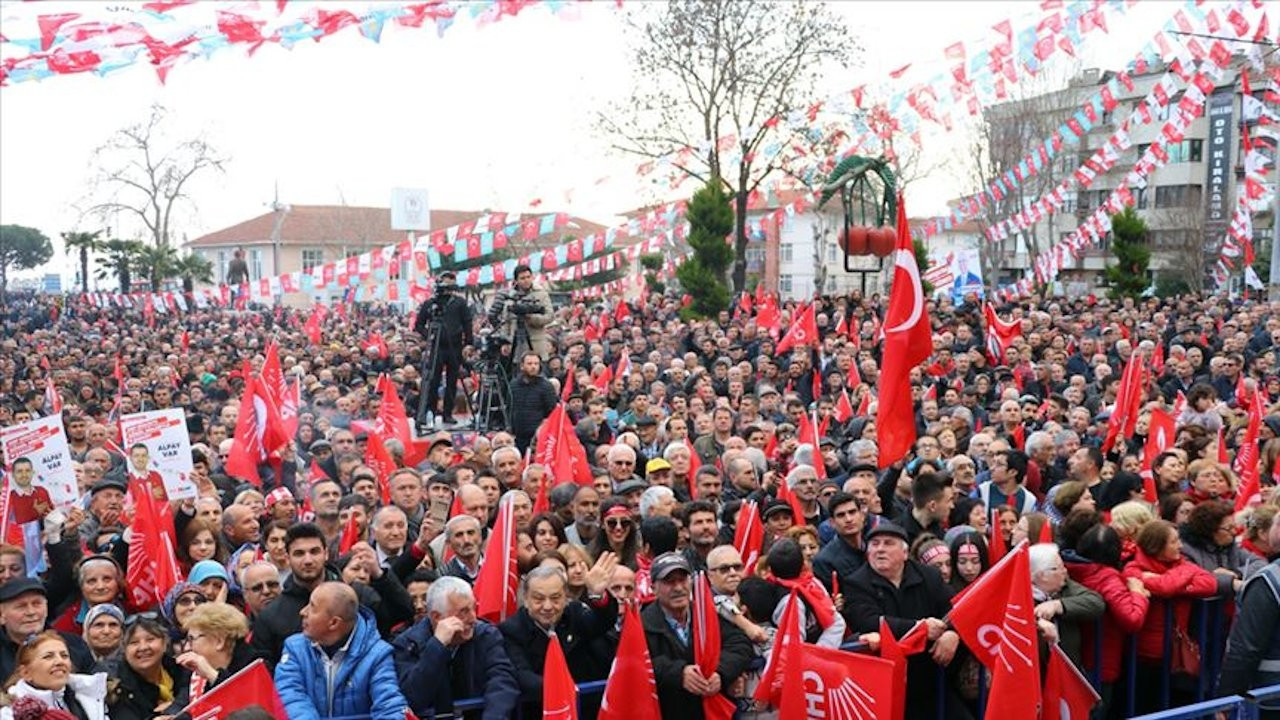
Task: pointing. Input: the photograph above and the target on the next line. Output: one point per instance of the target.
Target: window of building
(1173, 196)
(255, 264)
(754, 254)
(311, 258)
(220, 270)
(785, 252)
(1186, 151)
(784, 283)
(1140, 198)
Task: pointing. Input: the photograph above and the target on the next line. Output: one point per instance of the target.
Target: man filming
(451, 315)
(522, 314)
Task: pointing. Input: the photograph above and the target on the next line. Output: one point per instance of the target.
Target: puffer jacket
(1179, 583)
(1210, 557)
(1126, 611)
(363, 684)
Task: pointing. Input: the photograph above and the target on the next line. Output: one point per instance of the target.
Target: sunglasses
(617, 523)
(140, 617)
(191, 599)
(264, 586)
(731, 567)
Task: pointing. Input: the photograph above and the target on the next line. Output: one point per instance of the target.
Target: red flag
(997, 549)
(601, 381)
(1242, 394)
(1247, 456)
(1160, 436)
(842, 329)
(1046, 533)
(379, 459)
(186, 340)
(1157, 360)
(560, 451)
(350, 535)
(767, 315)
(1222, 448)
(246, 447)
(785, 494)
(393, 422)
(844, 407)
(748, 535)
(931, 393)
(153, 567)
(289, 406)
(1000, 334)
(559, 693)
(695, 462)
(1067, 694)
(780, 657)
(621, 312)
(568, 386)
(855, 377)
(996, 619)
(804, 331)
(375, 342)
(312, 328)
(624, 365)
(250, 686)
(542, 503)
(895, 653)
(631, 693)
(864, 405)
(908, 342)
(495, 586)
(706, 647)
(835, 683)
(52, 400)
(1128, 402)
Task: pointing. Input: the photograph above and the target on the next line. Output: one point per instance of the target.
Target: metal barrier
(1263, 698)
(1235, 706)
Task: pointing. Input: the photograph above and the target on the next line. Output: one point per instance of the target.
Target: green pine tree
(703, 275)
(1128, 276)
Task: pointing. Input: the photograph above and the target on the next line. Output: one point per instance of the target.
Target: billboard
(410, 210)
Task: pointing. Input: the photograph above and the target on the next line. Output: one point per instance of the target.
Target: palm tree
(157, 263)
(121, 256)
(84, 243)
(192, 269)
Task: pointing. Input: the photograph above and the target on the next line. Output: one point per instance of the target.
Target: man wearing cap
(668, 629)
(106, 502)
(902, 592)
(440, 451)
(24, 611)
(647, 431)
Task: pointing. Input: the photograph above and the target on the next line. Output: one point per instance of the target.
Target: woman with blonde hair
(216, 634)
(42, 684)
(1211, 480)
(1128, 517)
(806, 538)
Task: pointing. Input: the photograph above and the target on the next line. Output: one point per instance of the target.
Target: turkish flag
(767, 315)
(908, 341)
(706, 647)
(995, 617)
(495, 586)
(631, 692)
(251, 686)
(804, 331)
(312, 328)
(379, 459)
(1000, 334)
(559, 449)
(836, 683)
(1067, 695)
(559, 693)
(748, 535)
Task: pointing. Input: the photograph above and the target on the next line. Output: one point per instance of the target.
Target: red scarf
(815, 596)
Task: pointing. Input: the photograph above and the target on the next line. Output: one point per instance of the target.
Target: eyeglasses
(617, 523)
(731, 567)
(191, 599)
(264, 586)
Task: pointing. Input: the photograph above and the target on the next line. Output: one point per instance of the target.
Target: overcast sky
(492, 116)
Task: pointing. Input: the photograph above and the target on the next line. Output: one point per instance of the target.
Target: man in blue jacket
(451, 656)
(338, 666)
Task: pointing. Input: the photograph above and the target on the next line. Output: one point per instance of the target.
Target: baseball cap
(656, 465)
(23, 585)
(885, 527)
(630, 486)
(665, 564)
(773, 507)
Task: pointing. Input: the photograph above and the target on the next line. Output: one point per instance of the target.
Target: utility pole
(281, 211)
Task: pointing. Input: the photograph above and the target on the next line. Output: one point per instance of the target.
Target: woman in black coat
(144, 681)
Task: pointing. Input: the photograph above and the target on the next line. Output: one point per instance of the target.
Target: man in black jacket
(454, 316)
(903, 592)
(845, 553)
(668, 630)
(305, 544)
(24, 611)
(580, 627)
(1252, 657)
(532, 400)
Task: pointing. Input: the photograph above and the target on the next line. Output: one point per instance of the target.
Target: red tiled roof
(344, 225)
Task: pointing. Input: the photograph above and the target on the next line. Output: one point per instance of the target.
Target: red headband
(617, 511)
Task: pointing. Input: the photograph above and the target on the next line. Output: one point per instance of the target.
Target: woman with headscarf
(103, 628)
(182, 600)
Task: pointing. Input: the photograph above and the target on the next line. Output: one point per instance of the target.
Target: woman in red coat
(1095, 564)
(1173, 582)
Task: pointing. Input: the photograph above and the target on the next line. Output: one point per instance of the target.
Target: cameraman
(454, 316)
(527, 305)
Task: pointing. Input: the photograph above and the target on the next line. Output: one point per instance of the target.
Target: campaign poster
(966, 274)
(38, 465)
(165, 464)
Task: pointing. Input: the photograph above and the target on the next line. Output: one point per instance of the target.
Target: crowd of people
(683, 422)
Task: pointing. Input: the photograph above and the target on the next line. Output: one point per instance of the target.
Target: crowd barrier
(1209, 627)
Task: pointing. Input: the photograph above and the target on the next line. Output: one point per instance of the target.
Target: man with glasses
(725, 570)
(622, 464)
(261, 584)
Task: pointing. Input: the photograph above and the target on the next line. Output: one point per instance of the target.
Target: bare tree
(140, 174)
(1183, 245)
(718, 81)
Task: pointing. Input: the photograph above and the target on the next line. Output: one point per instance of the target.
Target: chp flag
(164, 432)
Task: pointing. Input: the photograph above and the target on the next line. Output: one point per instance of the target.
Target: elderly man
(452, 656)
(338, 666)
(240, 525)
(463, 533)
(580, 627)
(657, 501)
(725, 571)
(902, 592)
(406, 494)
(803, 481)
(622, 464)
(261, 584)
(506, 465)
(24, 611)
(668, 629)
(106, 503)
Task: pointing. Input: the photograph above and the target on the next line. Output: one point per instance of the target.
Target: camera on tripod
(519, 305)
(490, 346)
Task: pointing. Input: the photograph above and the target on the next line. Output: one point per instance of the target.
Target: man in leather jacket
(454, 317)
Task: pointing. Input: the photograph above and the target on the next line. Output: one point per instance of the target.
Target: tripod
(491, 398)
(427, 369)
